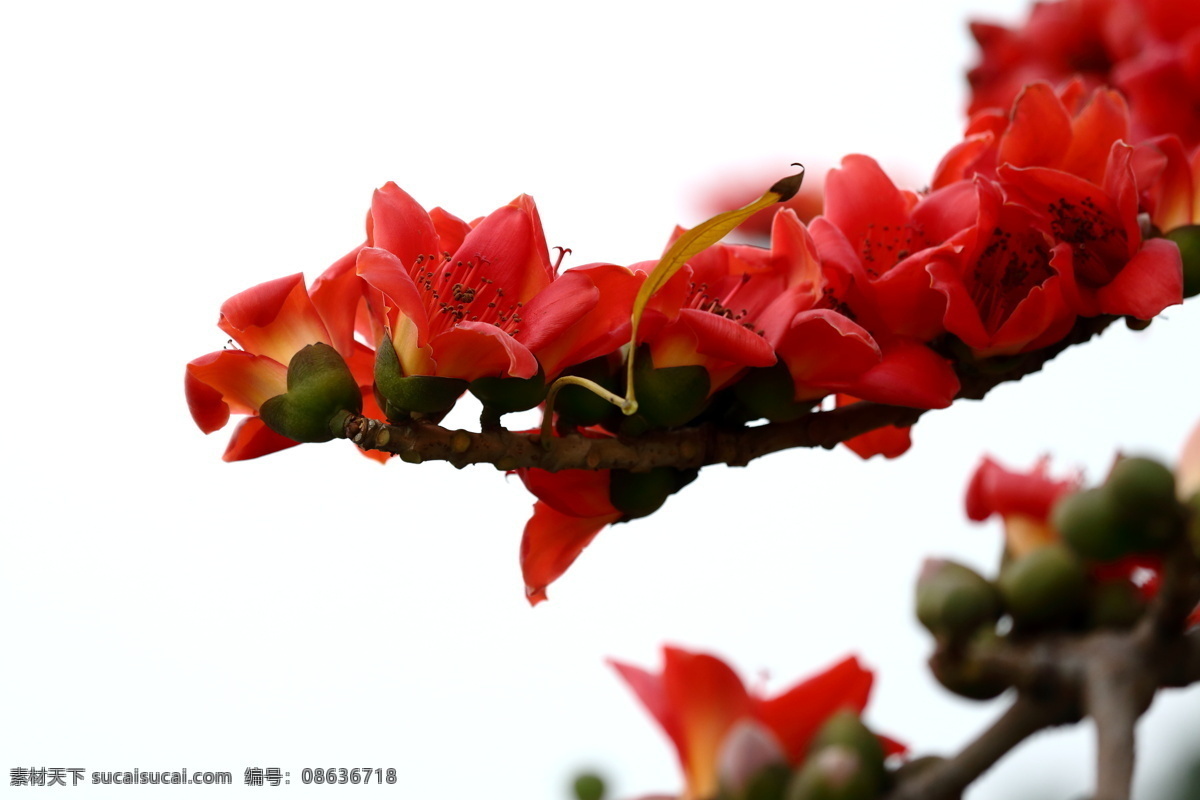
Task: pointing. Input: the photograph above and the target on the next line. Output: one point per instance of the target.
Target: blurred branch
(1111, 676)
(696, 446)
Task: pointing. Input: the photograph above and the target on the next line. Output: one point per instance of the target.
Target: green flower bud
(836, 772)
(954, 601)
(670, 396)
(1114, 604)
(1091, 524)
(769, 392)
(1187, 238)
(846, 729)
(1143, 493)
(589, 786)
(639, 494)
(1044, 588)
(507, 395)
(414, 396)
(769, 783)
(320, 391)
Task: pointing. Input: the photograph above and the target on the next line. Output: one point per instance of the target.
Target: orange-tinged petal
(397, 223)
(708, 698)
(576, 492)
(231, 381)
(274, 319)
(337, 295)
(473, 350)
(253, 439)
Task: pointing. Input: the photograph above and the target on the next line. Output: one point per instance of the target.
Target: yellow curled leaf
(691, 243)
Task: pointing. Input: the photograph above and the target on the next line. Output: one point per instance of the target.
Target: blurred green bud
(1044, 588)
(1187, 237)
(1114, 604)
(846, 729)
(1143, 492)
(320, 392)
(670, 396)
(1090, 523)
(413, 396)
(966, 677)
(751, 764)
(953, 600)
(589, 786)
(834, 773)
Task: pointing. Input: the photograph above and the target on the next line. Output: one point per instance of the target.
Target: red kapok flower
(454, 296)
(883, 238)
(1002, 294)
(271, 322)
(699, 701)
(1023, 499)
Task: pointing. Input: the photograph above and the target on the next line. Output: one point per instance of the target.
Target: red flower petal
(551, 543)
(252, 439)
(274, 319)
(796, 715)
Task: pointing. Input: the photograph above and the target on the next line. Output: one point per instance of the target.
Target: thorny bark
(689, 447)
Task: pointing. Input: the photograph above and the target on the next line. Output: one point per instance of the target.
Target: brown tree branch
(949, 778)
(689, 447)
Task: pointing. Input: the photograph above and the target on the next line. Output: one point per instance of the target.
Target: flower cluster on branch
(1072, 200)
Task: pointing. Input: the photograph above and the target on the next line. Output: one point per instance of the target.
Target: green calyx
(639, 494)
(321, 391)
(769, 393)
(507, 395)
(577, 406)
(412, 396)
(953, 600)
(670, 396)
(1187, 238)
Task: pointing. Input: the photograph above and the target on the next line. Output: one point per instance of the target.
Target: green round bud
(639, 494)
(1044, 588)
(1187, 237)
(770, 393)
(506, 395)
(966, 677)
(1089, 522)
(769, 783)
(834, 773)
(954, 601)
(589, 786)
(846, 729)
(1114, 604)
(1141, 487)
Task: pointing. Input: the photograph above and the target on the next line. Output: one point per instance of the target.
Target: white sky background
(163, 609)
